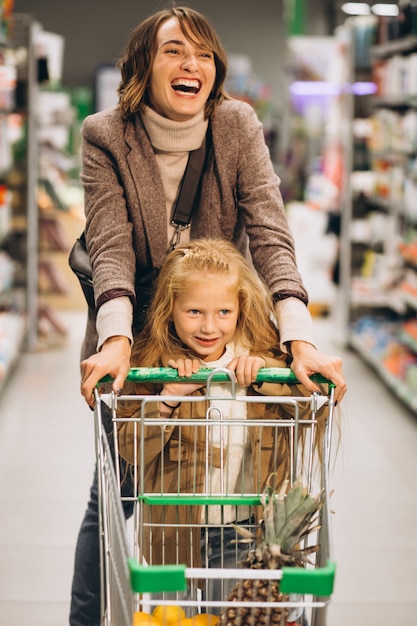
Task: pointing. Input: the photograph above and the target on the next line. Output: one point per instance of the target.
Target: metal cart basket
(181, 547)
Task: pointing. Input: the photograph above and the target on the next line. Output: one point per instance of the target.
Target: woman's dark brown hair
(136, 63)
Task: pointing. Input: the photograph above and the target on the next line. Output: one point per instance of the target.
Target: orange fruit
(203, 619)
(168, 615)
(206, 619)
(140, 618)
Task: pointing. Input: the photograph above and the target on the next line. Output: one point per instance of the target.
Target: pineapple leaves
(247, 535)
(289, 518)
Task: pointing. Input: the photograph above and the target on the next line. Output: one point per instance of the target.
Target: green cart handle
(159, 578)
(170, 375)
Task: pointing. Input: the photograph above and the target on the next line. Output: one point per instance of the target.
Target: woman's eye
(171, 50)
(224, 312)
(206, 55)
(194, 312)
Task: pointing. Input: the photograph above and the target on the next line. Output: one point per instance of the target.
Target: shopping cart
(142, 562)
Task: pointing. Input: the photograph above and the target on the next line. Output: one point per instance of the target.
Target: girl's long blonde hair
(184, 266)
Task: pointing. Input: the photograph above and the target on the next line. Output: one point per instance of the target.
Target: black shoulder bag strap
(187, 195)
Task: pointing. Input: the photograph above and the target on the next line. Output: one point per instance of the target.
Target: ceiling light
(315, 88)
(385, 9)
(356, 8)
(363, 88)
(331, 88)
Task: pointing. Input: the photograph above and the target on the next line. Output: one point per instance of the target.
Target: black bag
(79, 260)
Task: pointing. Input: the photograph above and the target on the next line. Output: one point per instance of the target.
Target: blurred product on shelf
(59, 114)
(316, 251)
(390, 347)
(6, 271)
(50, 324)
(6, 19)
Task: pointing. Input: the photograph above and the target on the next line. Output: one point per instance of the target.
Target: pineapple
(288, 518)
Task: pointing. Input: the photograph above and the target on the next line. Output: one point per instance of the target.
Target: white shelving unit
(19, 233)
(379, 225)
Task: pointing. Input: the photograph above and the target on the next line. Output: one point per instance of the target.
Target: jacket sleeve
(108, 230)
(260, 202)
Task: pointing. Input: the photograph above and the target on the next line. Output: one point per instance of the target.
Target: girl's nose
(209, 324)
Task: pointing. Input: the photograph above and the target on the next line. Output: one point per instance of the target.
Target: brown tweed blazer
(125, 203)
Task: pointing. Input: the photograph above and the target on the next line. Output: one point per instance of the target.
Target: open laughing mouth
(186, 85)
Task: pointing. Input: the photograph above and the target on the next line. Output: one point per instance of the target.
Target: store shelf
(18, 209)
(404, 391)
(379, 226)
(374, 299)
(399, 46)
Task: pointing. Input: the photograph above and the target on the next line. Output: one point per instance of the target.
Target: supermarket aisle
(46, 467)
(46, 464)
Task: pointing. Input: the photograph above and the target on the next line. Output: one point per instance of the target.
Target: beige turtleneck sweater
(172, 142)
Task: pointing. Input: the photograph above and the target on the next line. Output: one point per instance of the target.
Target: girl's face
(182, 76)
(205, 317)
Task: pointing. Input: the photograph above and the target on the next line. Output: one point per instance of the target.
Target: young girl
(210, 309)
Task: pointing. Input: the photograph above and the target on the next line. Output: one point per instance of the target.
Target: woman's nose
(189, 63)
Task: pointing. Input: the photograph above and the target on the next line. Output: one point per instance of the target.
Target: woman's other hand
(113, 359)
(307, 360)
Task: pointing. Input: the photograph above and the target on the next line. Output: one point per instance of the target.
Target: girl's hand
(113, 359)
(307, 360)
(185, 367)
(246, 368)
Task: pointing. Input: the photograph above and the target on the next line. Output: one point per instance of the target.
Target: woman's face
(182, 74)
(205, 316)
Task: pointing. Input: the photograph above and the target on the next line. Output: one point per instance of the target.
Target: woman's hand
(113, 359)
(307, 360)
(246, 368)
(185, 368)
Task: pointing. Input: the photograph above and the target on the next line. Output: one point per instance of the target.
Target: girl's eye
(194, 312)
(224, 312)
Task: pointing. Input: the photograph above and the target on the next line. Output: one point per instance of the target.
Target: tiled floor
(47, 460)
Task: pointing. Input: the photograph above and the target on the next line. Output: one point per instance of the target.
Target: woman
(171, 96)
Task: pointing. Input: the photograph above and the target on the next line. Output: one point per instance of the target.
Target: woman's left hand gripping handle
(113, 360)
